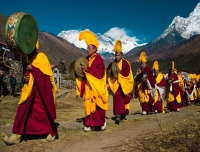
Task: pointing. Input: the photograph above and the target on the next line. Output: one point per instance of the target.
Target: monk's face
(118, 56)
(156, 72)
(91, 49)
(172, 72)
(143, 65)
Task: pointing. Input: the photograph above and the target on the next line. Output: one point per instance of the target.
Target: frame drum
(21, 33)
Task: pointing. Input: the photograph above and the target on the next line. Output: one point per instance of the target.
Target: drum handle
(6, 64)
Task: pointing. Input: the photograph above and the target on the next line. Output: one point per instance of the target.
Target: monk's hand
(118, 70)
(84, 67)
(26, 78)
(28, 67)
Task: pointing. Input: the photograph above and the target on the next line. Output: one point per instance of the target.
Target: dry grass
(183, 137)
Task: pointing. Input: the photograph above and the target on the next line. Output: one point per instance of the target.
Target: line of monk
(36, 109)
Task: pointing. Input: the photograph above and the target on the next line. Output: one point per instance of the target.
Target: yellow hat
(143, 57)
(89, 37)
(172, 65)
(118, 46)
(191, 76)
(37, 45)
(198, 77)
(194, 76)
(155, 65)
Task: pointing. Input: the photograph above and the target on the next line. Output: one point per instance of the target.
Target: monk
(93, 85)
(191, 90)
(121, 86)
(145, 87)
(172, 91)
(36, 109)
(160, 85)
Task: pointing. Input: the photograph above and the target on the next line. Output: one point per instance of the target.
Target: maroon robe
(148, 107)
(119, 98)
(158, 105)
(97, 69)
(36, 115)
(172, 106)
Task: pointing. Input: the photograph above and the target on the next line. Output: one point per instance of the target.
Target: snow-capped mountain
(187, 27)
(106, 40)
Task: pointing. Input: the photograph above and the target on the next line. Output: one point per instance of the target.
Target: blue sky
(143, 19)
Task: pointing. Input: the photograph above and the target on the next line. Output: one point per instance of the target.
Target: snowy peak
(187, 27)
(106, 40)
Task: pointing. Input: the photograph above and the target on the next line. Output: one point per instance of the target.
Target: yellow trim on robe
(78, 86)
(181, 82)
(170, 96)
(157, 80)
(41, 62)
(143, 95)
(194, 97)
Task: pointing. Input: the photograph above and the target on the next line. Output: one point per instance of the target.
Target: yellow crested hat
(118, 46)
(89, 37)
(194, 76)
(155, 65)
(143, 57)
(175, 71)
(191, 76)
(172, 67)
(198, 77)
(37, 45)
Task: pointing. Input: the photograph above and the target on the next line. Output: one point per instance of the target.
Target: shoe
(104, 125)
(12, 140)
(117, 120)
(87, 129)
(178, 110)
(144, 112)
(156, 111)
(50, 138)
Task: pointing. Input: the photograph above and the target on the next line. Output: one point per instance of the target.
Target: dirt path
(106, 141)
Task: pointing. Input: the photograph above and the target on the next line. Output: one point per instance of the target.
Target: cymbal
(114, 69)
(71, 70)
(77, 66)
(108, 70)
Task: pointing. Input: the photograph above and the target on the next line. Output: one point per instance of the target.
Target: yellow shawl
(125, 82)
(96, 92)
(41, 62)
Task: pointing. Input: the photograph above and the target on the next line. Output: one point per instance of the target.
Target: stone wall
(67, 82)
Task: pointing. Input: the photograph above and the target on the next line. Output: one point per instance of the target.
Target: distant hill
(56, 48)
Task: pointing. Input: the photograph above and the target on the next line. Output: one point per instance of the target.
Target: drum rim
(22, 14)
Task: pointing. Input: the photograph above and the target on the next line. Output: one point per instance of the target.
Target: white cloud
(119, 33)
